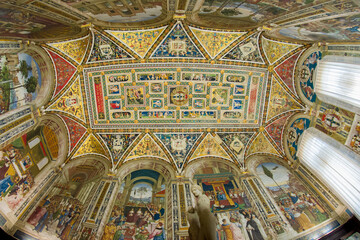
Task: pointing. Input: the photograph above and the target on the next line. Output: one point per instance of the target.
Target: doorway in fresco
(139, 209)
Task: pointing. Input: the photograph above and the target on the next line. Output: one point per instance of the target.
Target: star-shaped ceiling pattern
(164, 93)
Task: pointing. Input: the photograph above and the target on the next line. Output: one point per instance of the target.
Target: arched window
(338, 82)
(334, 164)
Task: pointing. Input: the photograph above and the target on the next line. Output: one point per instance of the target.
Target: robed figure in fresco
(202, 221)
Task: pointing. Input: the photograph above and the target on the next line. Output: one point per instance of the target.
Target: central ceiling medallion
(179, 96)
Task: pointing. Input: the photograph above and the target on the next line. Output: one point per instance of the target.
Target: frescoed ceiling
(302, 20)
(175, 93)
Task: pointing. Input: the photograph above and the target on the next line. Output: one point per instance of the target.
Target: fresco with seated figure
(236, 217)
(20, 162)
(138, 213)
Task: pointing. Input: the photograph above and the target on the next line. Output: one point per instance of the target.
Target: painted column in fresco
(87, 226)
(106, 206)
(98, 210)
(15, 123)
(179, 201)
(266, 209)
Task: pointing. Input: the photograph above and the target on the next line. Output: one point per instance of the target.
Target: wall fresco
(131, 11)
(19, 23)
(345, 28)
(299, 206)
(139, 210)
(20, 162)
(231, 207)
(20, 80)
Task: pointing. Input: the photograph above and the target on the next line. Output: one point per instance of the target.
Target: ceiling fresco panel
(261, 144)
(177, 44)
(75, 131)
(75, 49)
(178, 145)
(286, 71)
(280, 101)
(70, 102)
(64, 71)
(118, 144)
(90, 146)
(104, 49)
(237, 143)
(210, 147)
(246, 51)
(147, 147)
(174, 95)
(215, 42)
(276, 129)
(139, 41)
(274, 50)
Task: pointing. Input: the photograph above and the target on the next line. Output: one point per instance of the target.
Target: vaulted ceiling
(174, 80)
(177, 93)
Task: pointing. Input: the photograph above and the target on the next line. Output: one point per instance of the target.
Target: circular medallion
(304, 74)
(292, 135)
(179, 96)
(332, 120)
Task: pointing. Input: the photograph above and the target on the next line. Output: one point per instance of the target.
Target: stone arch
(153, 163)
(47, 74)
(100, 164)
(58, 127)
